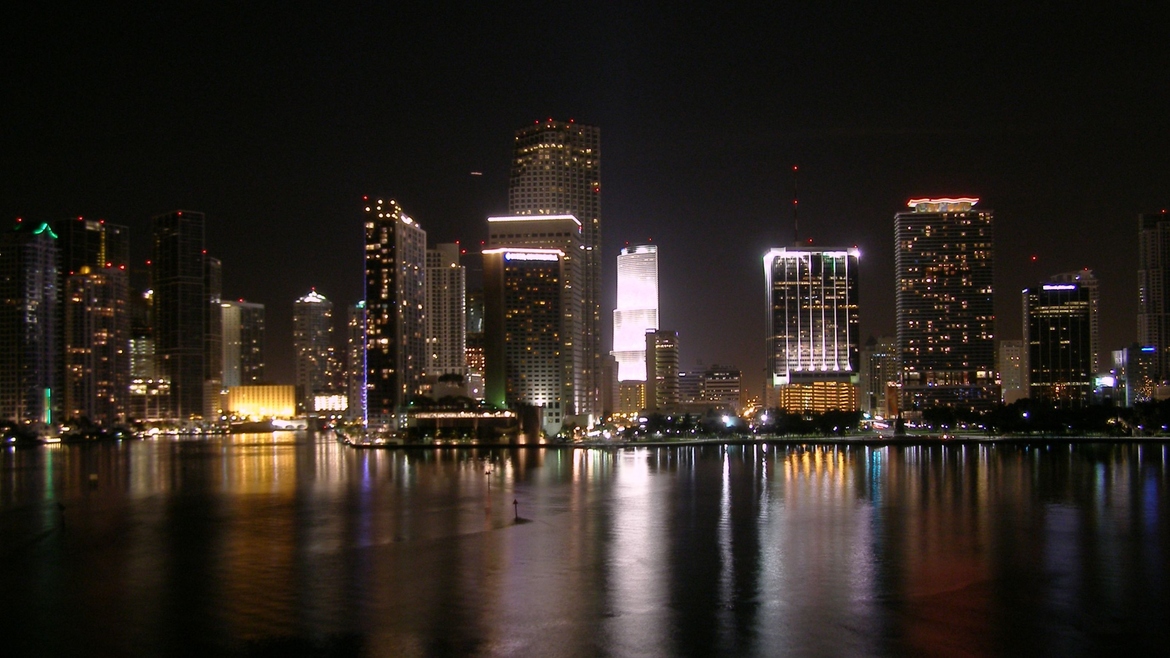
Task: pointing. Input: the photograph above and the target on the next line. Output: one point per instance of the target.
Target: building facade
(1012, 357)
(1058, 363)
(446, 314)
(30, 333)
(1154, 288)
(243, 343)
(180, 308)
(396, 347)
(661, 368)
(355, 361)
(944, 266)
(556, 170)
(812, 332)
(879, 377)
(317, 366)
(637, 310)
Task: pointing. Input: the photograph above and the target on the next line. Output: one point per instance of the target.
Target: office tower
(1086, 280)
(474, 349)
(30, 338)
(637, 309)
(690, 386)
(1058, 338)
(813, 340)
(213, 338)
(1154, 288)
(316, 361)
(446, 316)
(243, 343)
(1135, 370)
(1011, 370)
(150, 386)
(661, 368)
(395, 321)
(523, 347)
(561, 233)
(94, 256)
(879, 377)
(556, 169)
(722, 385)
(355, 354)
(943, 258)
(181, 303)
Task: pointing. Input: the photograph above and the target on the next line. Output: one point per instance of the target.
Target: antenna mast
(795, 207)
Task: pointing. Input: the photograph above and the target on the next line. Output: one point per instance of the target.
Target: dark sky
(276, 122)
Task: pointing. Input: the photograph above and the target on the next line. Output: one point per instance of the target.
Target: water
(291, 545)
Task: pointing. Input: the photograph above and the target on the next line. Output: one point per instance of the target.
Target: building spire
(795, 208)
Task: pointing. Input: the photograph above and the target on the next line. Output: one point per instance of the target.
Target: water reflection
(279, 543)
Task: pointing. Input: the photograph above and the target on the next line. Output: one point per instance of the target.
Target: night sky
(276, 123)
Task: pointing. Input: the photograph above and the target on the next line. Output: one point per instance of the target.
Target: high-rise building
(637, 309)
(556, 170)
(243, 343)
(661, 368)
(1058, 339)
(813, 338)
(213, 338)
(879, 377)
(944, 265)
(181, 303)
(1154, 288)
(96, 319)
(690, 386)
(561, 233)
(523, 319)
(1135, 372)
(1011, 370)
(316, 360)
(722, 385)
(355, 354)
(30, 336)
(395, 319)
(1085, 279)
(446, 314)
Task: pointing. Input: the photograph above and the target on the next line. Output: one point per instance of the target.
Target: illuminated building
(181, 303)
(1085, 279)
(631, 397)
(243, 343)
(94, 256)
(355, 355)
(661, 368)
(556, 170)
(446, 315)
(524, 346)
(722, 386)
(395, 320)
(261, 401)
(1154, 288)
(879, 377)
(474, 348)
(316, 362)
(1011, 370)
(690, 386)
(944, 265)
(1135, 370)
(30, 336)
(1058, 343)
(213, 338)
(812, 328)
(561, 233)
(637, 309)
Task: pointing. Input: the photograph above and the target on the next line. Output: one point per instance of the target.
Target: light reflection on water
(271, 544)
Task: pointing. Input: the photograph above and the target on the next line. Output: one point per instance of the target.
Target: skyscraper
(395, 320)
(1154, 288)
(523, 346)
(563, 234)
(355, 371)
(636, 312)
(1058, 340)
(944, 264)
(96, 320)
(213, 338)
(243, 343)
(1085, 279)
(1011, 370)
(879, 376)
(30, 336)
(316, 360)
(446, 314)
(813, 339)
(181, 303)
(661, 368)
(556, 169)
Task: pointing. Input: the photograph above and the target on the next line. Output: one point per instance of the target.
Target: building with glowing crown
(813, 339)
(944, 264)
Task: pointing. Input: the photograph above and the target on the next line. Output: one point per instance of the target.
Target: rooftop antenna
(795, 207)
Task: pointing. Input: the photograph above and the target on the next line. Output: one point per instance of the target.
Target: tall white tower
(637, 309)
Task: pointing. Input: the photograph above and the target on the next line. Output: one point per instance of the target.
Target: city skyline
(1067, 144)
